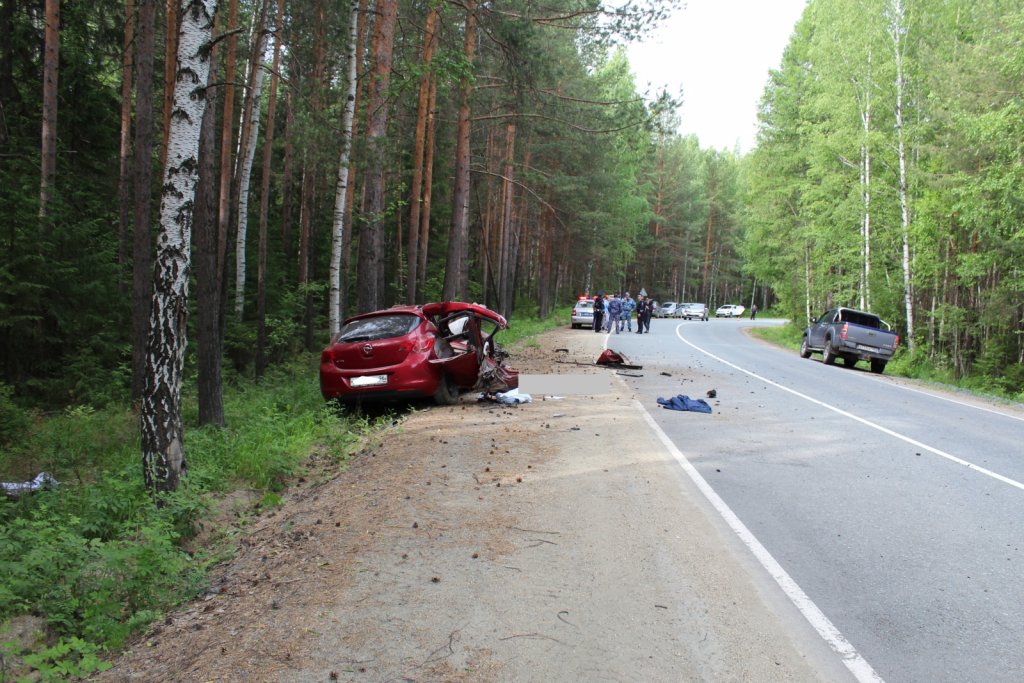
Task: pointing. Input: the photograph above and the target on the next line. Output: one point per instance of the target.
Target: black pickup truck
(851, 335)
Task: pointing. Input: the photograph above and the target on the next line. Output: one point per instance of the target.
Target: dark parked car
(436, 350)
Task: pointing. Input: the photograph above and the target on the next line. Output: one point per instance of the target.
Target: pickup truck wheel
(849, 361)
(877, 366)
(828, 356)
(805, 350)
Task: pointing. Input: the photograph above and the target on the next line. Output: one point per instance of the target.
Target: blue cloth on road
(681, 402)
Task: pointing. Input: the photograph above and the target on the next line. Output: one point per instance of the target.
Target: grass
(95, 558)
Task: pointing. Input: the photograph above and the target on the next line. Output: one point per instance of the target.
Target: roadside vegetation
(90, 563)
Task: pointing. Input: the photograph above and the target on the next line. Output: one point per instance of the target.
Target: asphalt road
(891, 513)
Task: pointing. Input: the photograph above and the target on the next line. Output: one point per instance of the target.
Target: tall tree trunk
(371, 236)
(268, 153)
(428, 185)
(163, 447)
(311, 172)
(505, 262)
(210, 340)
(344, 163)
(142, 241)
(48, 148)
(898, 33)
(456, 277)
(124, 193)
(226, 140)
(422, 103)
(170, 55)
(287, 172)
(350, 195)
(250, 130)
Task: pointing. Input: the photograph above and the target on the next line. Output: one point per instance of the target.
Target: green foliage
(69, 658)
(14, 420)
(96, 557)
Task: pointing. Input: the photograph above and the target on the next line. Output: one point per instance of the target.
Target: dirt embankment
(478, 542)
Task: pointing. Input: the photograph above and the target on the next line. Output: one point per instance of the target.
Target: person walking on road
(614, 314)
(753, 311)
(598, 311)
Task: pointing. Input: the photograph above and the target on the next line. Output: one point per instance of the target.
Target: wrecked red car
(436, 350)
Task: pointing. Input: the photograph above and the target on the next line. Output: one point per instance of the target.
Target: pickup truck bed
(851, 335)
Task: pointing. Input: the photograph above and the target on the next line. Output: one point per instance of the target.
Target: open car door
(468, 330)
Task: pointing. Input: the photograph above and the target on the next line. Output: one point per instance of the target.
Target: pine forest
(195, 187)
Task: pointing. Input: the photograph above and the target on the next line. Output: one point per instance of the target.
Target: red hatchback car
(437, 350)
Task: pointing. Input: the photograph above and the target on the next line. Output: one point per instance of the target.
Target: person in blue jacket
(628, 306)
(614, 314)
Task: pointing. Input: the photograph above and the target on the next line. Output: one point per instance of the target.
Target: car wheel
(828, 355)
(805, 350)
(877, 366)
(447, 393)
(849, 361)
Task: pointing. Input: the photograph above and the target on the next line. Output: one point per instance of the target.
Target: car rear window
(377, 327)
(584, 304)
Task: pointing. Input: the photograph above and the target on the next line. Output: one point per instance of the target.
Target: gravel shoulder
(548, 541)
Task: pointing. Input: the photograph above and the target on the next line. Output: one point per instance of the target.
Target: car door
(816, 336)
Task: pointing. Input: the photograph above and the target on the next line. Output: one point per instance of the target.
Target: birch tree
(248, 134)
(899, 30)
(163, 447)
(341, 189)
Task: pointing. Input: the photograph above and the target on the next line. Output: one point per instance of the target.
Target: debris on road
(686, 403)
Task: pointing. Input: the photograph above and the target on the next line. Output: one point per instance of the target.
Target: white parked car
(730, 311)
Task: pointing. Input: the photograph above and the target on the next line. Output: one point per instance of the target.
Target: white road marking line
(857, 665)
(868, 423)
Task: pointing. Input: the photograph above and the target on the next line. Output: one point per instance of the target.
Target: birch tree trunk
(341, 190)
(163, 447)
(268, 153)
(456, 277)
(898, 32)
(250, 131)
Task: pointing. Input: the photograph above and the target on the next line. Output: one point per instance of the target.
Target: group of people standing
(615, 313)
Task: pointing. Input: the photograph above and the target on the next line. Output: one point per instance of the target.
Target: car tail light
(842, 332)
(897, 342)
(421, 347)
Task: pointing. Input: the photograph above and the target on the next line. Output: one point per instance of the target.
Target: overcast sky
(719, 52)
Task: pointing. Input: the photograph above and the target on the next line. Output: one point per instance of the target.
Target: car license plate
(369, 380)
(869, 349)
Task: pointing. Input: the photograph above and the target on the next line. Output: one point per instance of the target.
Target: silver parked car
(693, 311)
(583, 313)
(666, 310)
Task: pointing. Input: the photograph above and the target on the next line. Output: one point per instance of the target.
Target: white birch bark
(341, 189)
(246, 155)
(898, 31)
(163, 448)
